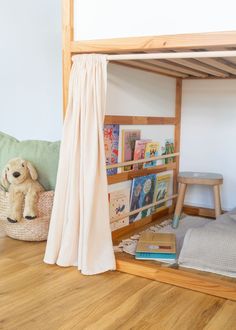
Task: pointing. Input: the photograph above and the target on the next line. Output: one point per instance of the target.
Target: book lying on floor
(156, 246)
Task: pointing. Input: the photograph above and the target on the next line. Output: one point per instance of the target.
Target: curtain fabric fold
(79, 232)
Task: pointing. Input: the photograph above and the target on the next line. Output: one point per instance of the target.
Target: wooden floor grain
(37, 296)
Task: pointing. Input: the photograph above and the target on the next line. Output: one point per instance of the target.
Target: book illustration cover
(142, 192)
(139, 152)
(152, 150)
(161, 190)
(168, 149)
(128, 145)
(111, 142)
(156, 246)
(119, 205)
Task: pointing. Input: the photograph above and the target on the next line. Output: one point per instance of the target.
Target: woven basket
(28, 230)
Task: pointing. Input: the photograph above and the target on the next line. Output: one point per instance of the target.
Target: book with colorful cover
(142, 192)
(168, 149)
(152, 150)
(111, 142)
(156, 246)
(139, 152)
(119, 205)
(128, 145)
(161, 190)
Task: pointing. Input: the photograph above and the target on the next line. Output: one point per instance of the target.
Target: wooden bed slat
(177, 67)
(221, 64)
(151, 68)
(194, 64)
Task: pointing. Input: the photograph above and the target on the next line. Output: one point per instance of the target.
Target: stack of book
(156, 246)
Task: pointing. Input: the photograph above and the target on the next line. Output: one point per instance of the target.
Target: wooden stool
(185, 178)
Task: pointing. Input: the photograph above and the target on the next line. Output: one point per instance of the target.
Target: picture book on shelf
(128, 145)
(119, 205)
(156, 246)
(168, 149)
(111, 142)
(139, 152)
(161, 190)
(142, 192)
(151, 150)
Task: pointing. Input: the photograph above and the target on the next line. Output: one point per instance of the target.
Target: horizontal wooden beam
(199, 211)
(129, 175)
(139, 120)
(213, 40)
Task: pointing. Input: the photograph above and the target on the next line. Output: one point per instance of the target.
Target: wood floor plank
(37, 296)
(224, 319)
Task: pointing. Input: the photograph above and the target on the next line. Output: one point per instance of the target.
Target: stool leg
(179, 205)
(217, 200)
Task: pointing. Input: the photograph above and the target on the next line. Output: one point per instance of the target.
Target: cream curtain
(79, 233)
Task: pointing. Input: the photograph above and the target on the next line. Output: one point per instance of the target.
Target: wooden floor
(38, 296)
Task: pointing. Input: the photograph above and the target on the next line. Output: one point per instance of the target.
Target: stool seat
(203, 178)
(198, 178)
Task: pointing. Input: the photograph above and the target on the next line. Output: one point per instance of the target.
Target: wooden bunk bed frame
(222, 66)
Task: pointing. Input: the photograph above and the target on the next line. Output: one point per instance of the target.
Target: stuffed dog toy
(19, 177)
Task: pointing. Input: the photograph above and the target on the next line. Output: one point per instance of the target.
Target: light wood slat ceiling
(192, 68)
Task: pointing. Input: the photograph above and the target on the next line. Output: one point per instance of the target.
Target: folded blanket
(212, 247)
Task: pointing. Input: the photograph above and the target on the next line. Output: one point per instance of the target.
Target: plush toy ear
(4, 181)
(32, 170)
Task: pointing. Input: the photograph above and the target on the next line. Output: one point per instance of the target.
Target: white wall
(124, 18)
(134, 92)
(209, 135)
(30, 69)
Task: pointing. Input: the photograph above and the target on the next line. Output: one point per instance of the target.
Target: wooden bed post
(67, 38)
(178, 101)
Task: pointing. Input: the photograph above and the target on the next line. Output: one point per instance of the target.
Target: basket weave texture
(28, 230)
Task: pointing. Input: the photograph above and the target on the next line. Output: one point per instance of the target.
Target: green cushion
(42, 154)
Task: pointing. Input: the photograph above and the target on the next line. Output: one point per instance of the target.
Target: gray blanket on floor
(212, 247)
